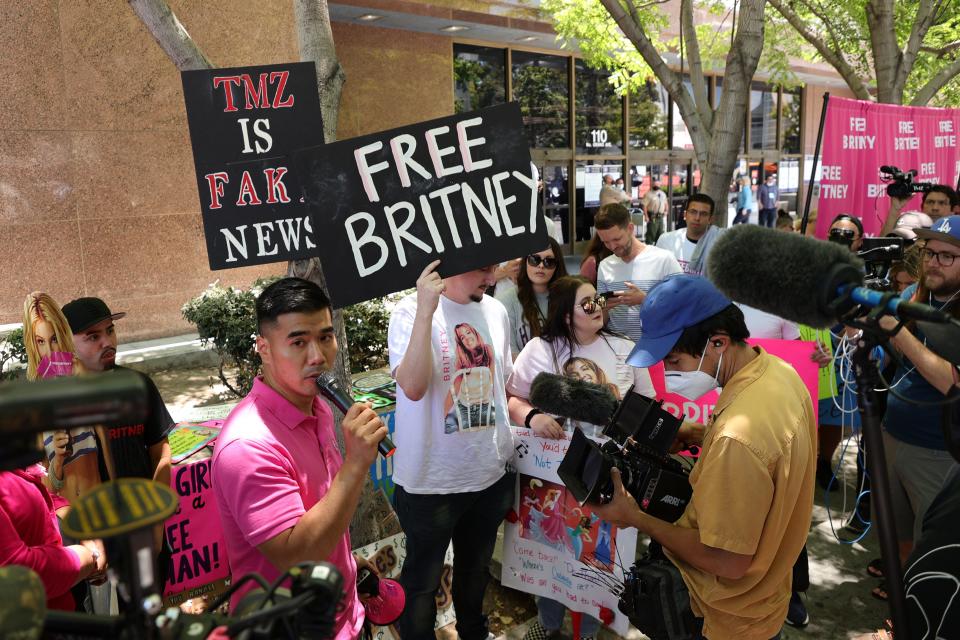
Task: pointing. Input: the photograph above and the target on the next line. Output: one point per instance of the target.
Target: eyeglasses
(535, 261)
(698, 213)
(945, 259)
(846, 234)
(591, 306)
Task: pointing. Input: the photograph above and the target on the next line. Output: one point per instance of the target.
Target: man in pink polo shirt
(284, 493)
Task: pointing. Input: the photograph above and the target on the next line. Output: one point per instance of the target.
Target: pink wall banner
(795, 352)
(859, 137)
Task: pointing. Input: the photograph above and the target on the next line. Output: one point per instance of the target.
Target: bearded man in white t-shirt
(450, 355)
(630, 272)
(682, 243)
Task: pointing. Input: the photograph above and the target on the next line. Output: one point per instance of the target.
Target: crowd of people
(464, 362)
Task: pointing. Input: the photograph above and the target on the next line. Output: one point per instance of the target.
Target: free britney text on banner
(859, 137)
(459, 188)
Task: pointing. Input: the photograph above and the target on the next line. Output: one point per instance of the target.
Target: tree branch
(937, 82)
(941, 51)
(926, 12)
(697, 80)
(315, 36)
(632, 29)
(170, 34)
(827, 24)
(834, 59)
(886, 53)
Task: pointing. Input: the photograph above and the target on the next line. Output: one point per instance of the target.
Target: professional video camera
(124, 513)
(878, 254)
(902, 185)
(641, 433)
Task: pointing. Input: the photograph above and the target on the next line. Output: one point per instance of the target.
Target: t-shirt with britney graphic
(456, 438)
(604, 361)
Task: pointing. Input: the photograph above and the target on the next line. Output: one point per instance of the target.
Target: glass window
(479, 77)
(540, 86)
(790, 123)
(648, 117)
(599, 109)
(763, 117)
(556, 195)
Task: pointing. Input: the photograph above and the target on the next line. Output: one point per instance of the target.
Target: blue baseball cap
(671, 306)
(946, 229)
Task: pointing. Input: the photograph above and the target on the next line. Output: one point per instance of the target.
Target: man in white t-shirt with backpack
(682, 243)
(450, 355)
(630, 272)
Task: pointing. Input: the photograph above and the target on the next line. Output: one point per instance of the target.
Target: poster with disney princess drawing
(557, 548)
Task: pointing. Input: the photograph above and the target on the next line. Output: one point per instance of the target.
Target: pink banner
(795, 352)
(859, 137)
(199, 553)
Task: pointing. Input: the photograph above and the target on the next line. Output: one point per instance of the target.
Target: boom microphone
(809, 281)
(572, 398)
(330, 390)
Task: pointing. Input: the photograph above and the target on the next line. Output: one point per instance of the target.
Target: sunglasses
(591, 306)
(535, 261)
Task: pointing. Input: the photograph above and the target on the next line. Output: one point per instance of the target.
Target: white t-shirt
(457, 437)
(761, 324)
(677, 243)
(649, 267)
(606, 355)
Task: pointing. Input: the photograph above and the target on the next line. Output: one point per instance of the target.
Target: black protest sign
(244, 123)
(460, 189)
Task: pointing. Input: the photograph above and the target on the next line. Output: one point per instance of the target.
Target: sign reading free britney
(859, 137)
(459, 188)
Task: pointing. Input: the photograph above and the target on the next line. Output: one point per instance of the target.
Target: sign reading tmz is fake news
(460, 189)
(244, 122)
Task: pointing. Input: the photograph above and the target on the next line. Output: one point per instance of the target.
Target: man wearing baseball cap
(133, 451)
(747, 521)
(917, 457)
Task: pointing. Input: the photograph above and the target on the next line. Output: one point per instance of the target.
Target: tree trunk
(316, 43)
(728, 124)
(886, 53)
(374, 518)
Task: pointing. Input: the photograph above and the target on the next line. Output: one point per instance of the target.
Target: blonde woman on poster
(72, 467)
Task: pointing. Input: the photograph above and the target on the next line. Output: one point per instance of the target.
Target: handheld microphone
(572, 398)
(801, 279)
(330, 390)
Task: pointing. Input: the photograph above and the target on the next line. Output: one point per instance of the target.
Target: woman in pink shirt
(30, 537)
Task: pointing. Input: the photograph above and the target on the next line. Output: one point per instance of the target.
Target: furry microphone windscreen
(571, 398)
(785, 274)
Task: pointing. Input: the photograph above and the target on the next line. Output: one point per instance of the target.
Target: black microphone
(809, 281)
(330, 390)
(572, 398)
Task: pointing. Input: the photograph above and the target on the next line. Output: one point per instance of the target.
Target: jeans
(654, 228)
(550, 613)
(430, 522)
(743, 215)
(767, 217)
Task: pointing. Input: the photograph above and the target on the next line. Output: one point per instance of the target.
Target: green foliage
(366, 326)
(12, 352)
(226, 318)
(476, 85)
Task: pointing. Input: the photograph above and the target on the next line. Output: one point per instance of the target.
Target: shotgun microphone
(330, 390)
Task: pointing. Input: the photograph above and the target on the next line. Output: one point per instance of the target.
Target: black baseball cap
(83, 313)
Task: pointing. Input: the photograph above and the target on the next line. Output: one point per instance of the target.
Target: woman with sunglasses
(527, 303)
(573, 331)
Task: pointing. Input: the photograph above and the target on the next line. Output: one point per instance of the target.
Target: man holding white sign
(450, 355)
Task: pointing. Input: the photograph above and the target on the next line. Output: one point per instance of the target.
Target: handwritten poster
(387, 556)
(554, 547)
(795, 352)
(199, 553)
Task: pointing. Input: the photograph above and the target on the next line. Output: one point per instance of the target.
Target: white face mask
(692, 384)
